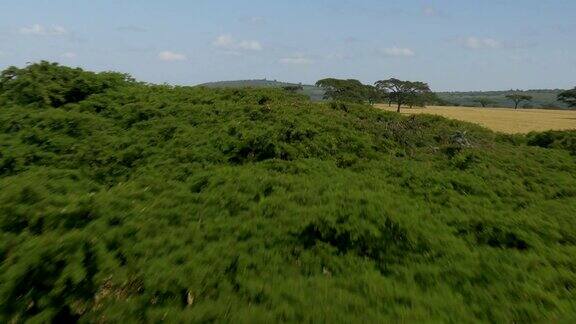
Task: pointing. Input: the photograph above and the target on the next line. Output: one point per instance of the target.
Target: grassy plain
(543, 98)
(503, 120)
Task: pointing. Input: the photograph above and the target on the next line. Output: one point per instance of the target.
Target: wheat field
(503, 120)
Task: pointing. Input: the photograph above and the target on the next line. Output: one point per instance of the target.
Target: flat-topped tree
(337, 89)
(402, 91)
(374, 95)
(484, 102)
(349, 90)
(518, 98)
(568, 97)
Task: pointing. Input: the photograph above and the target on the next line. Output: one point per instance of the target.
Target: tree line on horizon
(411, 93)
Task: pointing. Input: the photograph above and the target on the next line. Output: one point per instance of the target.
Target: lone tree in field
(568, 97)
(518, 98)
(484, 102)
(402, 91)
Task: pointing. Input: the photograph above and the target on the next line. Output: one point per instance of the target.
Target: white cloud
(228, 43)
(480, 43)
(250, 45)
(398, 52)
(69, 55)
(223, 41)
(171, 56)
(298, 59)
(40, 30)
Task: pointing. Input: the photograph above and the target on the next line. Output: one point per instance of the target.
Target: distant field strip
(502, 119)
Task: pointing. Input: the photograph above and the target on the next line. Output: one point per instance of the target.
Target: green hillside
(125, 202)
(314, 93)
(541, 98)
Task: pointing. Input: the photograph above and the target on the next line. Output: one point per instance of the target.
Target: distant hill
(542, 98)
(315, 93)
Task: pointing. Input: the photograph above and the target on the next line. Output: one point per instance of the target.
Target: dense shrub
(565, 140)
(157, 203)
(49, 84)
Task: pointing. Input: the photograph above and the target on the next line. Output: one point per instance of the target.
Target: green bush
(565, 140)
(144, 203)
(48, 84)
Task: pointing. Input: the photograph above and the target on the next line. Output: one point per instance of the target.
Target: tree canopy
(568, 97)
(49, 84)
(518, 98)
(349, 90)
(484, 102)
(403, 91)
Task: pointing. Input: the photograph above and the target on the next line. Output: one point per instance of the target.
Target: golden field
(503, 120)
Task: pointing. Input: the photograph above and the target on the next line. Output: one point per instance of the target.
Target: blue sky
(452, 44)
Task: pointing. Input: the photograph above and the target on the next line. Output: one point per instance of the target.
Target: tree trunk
(399, 105)
(516, 104)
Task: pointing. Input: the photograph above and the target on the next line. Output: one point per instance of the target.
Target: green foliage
(565, 140)
(406, 92)
(484, 102)
(48, 84)
(517, 98)
(568, 97)
(350, 91)
(154, 203)
(542, 99)
(313, 92)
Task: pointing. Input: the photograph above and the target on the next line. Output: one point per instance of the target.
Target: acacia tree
(518, 98)
(402, 91)
(484, 102)
(349, 90)
(374, 95)
(568, 97)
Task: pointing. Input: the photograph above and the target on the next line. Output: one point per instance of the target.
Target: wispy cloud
(297, 59)
(228, 43)
(69, 55)
(170, 56)
(398, 52)
(480, 43)
(250, 45)
(40, 30)
(132, 29)
(223, 41)
(338, 56)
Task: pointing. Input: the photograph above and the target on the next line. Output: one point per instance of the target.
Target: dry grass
(502, 119)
